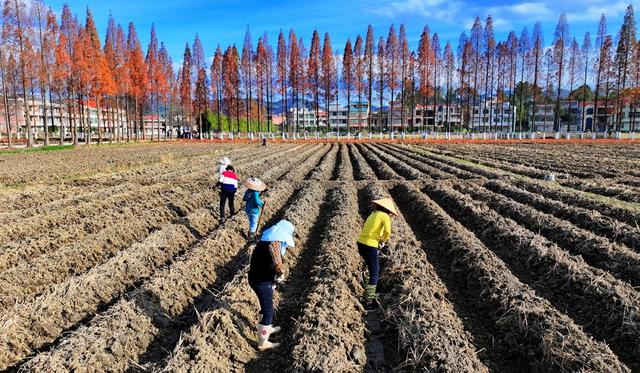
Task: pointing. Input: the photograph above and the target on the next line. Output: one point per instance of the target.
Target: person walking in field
(264, 142)
(253, 204)
(267, 269)
(228, 183)
(373, 237)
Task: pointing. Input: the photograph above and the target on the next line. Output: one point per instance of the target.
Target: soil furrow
(595, 250)
(127, 329)
(398, 166)
(361, 169)
(382, 170)
(333, 287)
(208, 345)
(583, 218)
(520, 331)
(607, 308)
(415, 302)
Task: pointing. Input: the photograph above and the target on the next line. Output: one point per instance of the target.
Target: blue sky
(225, 21)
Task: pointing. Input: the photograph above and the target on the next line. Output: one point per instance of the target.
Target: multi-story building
(580, 116)
(339, 118)
(60, 116)
(353, 116)
(425, 117)
(306, 119)
(491, 115)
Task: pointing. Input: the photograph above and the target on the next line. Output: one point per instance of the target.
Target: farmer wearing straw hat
(253, 203)
(374, 235)
(266, 268)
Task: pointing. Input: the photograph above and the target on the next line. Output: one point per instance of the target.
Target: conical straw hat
(256, 184)
(387, 204)
(225, 161)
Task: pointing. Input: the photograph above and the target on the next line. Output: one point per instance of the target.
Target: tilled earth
(114, 259)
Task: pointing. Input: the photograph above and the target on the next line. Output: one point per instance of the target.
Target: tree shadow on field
(171, 328)
(294, 295)
(163, 344)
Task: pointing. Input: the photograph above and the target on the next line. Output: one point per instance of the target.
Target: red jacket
(228, 181)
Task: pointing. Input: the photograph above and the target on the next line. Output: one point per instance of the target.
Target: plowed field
(114, 259)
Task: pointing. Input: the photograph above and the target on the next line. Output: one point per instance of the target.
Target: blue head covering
(283, 232)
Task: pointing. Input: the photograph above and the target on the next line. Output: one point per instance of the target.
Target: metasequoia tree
(465, 52)
(328, 75)
(15, 32)
(381, 76)
(293, 68)
(152, 63)
(403, 55)
(393, 60)
(185, 83)
(359, 76)
(437, 59)
(313, 74)
(163, 77)
(600, 65)
(561, 39)
(282, 69)
(348, 76)
(138, 78)
(425, 57)
(246, 67)
(524, 52)
(624, 53)
(100, 78)
(476, 60)
(573, 68)
(198, 64)
(368, 62)
(488, 48)
(537, 41)
(449, 68)
(512, 48)
(217, 82)
(586, 52)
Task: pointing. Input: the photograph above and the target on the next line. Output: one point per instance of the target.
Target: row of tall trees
(63, 66)
(479, 78)
(58, 71)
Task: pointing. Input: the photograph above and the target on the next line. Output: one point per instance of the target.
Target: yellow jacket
(377, 228)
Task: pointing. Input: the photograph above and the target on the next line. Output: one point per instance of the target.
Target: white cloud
(593, 12)
(442, 10)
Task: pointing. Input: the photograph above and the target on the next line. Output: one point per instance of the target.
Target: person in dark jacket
(267, 268)
(253, 204)
(228, 183)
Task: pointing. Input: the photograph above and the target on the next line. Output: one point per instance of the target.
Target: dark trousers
(370, 256)
(224, 196)
(264, 291)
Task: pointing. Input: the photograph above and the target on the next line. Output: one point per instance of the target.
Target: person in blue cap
(265, 270)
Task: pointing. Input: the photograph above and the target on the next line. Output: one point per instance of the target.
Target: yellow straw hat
(256, 184)
(387, 204)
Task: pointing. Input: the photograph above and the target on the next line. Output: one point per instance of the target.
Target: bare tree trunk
(24, 76)
(99, 116)
(45, 121)
(5, 101)
(53, 123)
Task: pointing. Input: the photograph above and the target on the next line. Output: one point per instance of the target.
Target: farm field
(113, 259)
